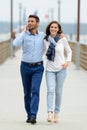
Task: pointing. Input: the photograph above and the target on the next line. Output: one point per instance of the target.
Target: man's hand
(25, 28)
(62, 35)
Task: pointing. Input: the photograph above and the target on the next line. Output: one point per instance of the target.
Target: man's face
(32, 24)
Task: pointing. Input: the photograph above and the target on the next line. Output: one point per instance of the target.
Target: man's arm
(18, 40)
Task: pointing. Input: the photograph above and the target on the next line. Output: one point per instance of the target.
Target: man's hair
(34, 16)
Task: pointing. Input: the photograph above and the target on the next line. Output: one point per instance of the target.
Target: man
(31, 66)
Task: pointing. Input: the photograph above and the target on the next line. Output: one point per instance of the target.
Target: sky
(44, 8)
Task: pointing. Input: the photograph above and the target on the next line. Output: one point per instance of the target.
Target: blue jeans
(31, 79)
(54, 81)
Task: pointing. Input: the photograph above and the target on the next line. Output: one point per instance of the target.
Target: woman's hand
(66, 64)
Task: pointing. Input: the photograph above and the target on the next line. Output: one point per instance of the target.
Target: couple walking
(34, 43)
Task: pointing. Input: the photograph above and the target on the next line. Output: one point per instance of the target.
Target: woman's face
(53, 29)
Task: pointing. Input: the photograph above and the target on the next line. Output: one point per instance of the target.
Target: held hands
(66, 64)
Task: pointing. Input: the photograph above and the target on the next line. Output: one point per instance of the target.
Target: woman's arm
(68, 53)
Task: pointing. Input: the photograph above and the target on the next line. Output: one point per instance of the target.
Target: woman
(55, 67)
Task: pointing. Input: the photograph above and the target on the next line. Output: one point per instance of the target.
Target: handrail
(82, 53)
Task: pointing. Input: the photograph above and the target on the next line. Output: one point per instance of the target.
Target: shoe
(33, 121)
(28, 120)
(50, 117)
(55, 117)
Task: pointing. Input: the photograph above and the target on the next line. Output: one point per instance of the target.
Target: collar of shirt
(37, 32)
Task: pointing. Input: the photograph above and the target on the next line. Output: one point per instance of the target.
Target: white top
(60, 58)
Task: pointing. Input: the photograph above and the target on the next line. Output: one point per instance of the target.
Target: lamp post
(59, 10)
(52, 13)
(11, 11)
(78, 34)
(11, 28)
(20, 15)
(78, 21)
(24, 16)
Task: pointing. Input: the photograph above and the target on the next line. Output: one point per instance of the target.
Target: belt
(32, 64)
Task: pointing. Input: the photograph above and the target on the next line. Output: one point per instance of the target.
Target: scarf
(51, 49)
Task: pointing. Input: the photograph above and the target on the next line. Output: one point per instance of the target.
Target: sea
(69, 29)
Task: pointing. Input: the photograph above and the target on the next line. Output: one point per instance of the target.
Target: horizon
(68, 28)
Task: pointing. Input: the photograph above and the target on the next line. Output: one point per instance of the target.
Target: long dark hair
(48, 29)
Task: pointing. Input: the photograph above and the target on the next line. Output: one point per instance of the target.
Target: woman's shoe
(50, 117)
(55, 117)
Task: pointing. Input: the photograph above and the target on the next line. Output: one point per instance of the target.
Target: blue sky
(68, 9)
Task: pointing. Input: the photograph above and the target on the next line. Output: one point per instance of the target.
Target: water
(4, 37)
(83, 38)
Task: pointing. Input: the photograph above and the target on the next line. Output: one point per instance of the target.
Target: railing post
(77, 57)
(11, 48)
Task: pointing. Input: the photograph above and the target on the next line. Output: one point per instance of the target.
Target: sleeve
(67, 49)
(44, 46)
(18, 40)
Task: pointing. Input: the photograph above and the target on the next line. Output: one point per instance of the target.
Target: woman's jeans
(54, 82)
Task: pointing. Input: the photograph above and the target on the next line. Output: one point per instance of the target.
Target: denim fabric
(54, 82)
(31, 79)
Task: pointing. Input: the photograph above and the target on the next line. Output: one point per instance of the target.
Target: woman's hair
(48, 29)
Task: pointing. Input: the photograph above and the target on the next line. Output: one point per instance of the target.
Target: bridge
(73, 115)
